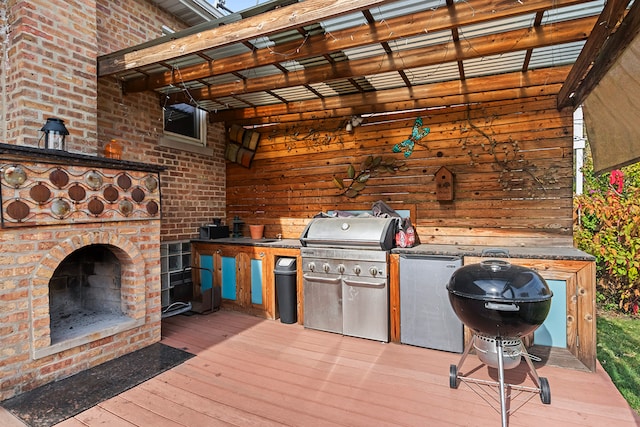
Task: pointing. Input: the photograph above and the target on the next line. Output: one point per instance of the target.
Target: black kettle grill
(500, 302)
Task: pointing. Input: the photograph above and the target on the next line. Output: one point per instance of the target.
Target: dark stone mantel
(44, 155)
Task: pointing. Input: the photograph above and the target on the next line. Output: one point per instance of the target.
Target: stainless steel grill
(345, 271)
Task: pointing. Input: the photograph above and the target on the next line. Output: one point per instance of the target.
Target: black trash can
(285, 273)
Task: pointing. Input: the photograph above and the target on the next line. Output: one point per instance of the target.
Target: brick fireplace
(79, 263)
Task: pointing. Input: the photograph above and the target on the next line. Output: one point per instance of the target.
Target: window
(185, 123)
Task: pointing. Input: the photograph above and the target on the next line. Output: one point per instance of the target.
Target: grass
(619, 353)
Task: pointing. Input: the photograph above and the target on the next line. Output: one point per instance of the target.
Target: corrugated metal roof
(285, 61)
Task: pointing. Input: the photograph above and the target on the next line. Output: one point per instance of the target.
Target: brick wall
(50, 69)
(51, 72)
(193, 185)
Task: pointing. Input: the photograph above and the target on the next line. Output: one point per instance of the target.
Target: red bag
(406, 235)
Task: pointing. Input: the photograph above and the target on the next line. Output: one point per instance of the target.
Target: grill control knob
(357, 270)
(326, 267)
(373, 271)
(312, 266)
(341, 268)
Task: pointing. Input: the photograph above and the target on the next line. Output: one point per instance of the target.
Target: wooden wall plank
(512, 163)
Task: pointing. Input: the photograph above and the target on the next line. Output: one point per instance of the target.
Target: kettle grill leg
(503, 406)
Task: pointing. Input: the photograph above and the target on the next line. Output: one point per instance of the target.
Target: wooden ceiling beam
(511, 41)
(608, 21)
(406, 105)
(277, 20)
(546, 81)
(400, 110)
(469, 13)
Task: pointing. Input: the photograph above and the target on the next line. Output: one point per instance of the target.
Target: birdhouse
(444, 185)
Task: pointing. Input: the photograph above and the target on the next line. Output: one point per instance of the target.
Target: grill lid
(499, 281)
(350, 232)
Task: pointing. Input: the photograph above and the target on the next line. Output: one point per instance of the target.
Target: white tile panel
(231, 102)
(295, 93)
(555, 55)
(421, 40)
(496, 64)
(384, 81)
(343, 22)
(364, 51)
(573, 12)
(497, 26)
(268, 70)
(405, 7)
(433, 73)
(324, 89)
(259, 98)
(227, 51)
(221, 79)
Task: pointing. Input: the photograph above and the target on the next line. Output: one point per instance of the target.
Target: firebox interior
(85, 293)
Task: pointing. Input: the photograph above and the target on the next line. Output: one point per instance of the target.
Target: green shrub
(608, 227)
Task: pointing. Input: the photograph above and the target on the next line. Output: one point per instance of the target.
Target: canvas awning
(611, 113)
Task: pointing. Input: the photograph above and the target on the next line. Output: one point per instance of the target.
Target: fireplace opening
(85, 294)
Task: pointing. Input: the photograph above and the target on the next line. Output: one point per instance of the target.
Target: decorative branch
(371, 167)
(512, 161)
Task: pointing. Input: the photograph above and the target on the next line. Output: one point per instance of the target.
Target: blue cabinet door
(206, 273)
(553, 332)
(228, 277)
(256, 281)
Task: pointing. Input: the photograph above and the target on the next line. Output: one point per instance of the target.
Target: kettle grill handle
(501, 306)
(496, 252)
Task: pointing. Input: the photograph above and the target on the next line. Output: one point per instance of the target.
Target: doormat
(55, 402)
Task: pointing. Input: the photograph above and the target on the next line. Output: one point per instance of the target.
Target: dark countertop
(247, 241)
(559, 253)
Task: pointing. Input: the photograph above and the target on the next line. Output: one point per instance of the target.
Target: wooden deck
(254, 372)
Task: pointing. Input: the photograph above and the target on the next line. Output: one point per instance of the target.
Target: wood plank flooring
(254, 372)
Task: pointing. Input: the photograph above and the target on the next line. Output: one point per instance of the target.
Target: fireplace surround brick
(32, 248)
(26, 358)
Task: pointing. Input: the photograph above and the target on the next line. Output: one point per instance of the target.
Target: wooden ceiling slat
(477, 47)
(282, 19)
(470, 13)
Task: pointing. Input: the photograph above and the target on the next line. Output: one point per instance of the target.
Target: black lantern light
(54, 133)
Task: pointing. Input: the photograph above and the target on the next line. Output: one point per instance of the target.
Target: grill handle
(495, 252)
(330, 280)
(362, 283)
(501, 306)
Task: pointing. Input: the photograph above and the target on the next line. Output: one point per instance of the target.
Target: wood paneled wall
(512, 163)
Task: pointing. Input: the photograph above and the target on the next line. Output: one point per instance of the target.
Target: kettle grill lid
(497, 280)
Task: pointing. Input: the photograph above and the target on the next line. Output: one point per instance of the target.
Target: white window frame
(202, 124)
